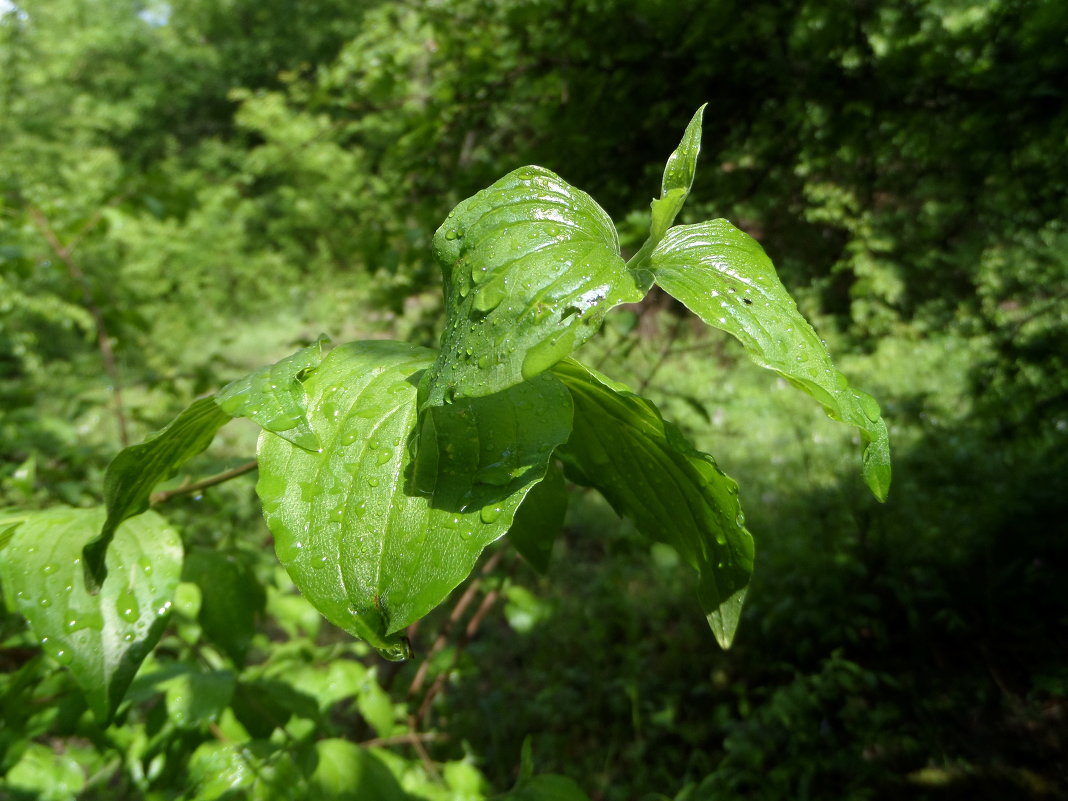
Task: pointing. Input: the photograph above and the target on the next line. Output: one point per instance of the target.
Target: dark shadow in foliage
(915, 651)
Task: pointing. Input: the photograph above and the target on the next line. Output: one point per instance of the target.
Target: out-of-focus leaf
(274, 396)
(195, 698)
(530, 266)
(102, 638)
(346, 772)
(136, 470)
(538, 521)
(232, 598)
(724, 277)
(44, 775)
(371, 541)
(675, 494)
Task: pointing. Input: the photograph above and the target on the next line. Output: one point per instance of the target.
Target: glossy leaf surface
(370, 540)
(102, 638)
(274, 396)
(675, 494)
(136, 470)
(724, 277)
(530, 266)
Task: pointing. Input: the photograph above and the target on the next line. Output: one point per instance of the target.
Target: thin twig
(414, 738)
(103, 340)
(454, 617)
(211, 481)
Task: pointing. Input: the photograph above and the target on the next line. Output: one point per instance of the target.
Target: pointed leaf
(372, 542)
(724, 277)
(136, 470)
(674, 189)
(675, 494)
(102, 638)
(530, 266)
(274, 396)
(538, 521)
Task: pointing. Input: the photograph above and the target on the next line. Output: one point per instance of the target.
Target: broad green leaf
(274, 396)
(675, 494)
(546, 787)
(674, 189)
(724, 277)
(134, 472)
(539, 519)
(196, 698)
(344, 771)
(232, 598)
(530, 266)
(102, 638)
(373, 543)
(43, 775)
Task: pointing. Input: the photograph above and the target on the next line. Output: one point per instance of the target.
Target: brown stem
(211, 481)
(454, 617)
(403, 739)
(103, 340)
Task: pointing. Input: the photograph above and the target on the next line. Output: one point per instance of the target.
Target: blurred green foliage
(206, 184)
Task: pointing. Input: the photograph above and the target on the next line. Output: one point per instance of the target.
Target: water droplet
(48, 569)
(146, 565)
(452, 234)
(484, 362)
(164, 609)
(490, 513)
(321, 562)
(451, 521)
(128, 637)
(384, 455)
(372, 482)
(360, 509)
(45, 603)
(870, 406)
(310, 490)
(63, 656)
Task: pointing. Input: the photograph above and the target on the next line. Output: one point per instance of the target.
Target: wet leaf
(101, 638)
(530, 266)
(373, 539)
(724, 277)
(675, 494)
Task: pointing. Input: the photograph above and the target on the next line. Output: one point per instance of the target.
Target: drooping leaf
(134, 472)
(674, 189)
(371, 541)
(539, 519)
(724, 277)
(102, 638)
(274, 396)
(232, 597)
(195, 698)
(530, 266)
(675, 494)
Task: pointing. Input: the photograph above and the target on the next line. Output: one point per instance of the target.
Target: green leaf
(546, 787)
(530, 266)
(195, 698)
(43, 775)
(102, 638)
(724, 277)
(274, 396)
(345, 771)
(232, 597)
(674, 189)
(539, 519)
(675, 494)
(134, 472)
(370, 540)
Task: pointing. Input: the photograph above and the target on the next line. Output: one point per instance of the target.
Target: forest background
(191, 189)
